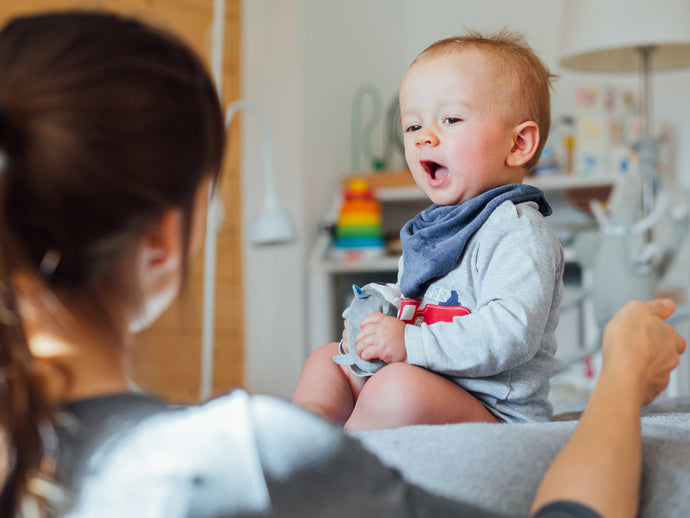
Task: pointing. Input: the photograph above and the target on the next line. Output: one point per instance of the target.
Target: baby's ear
(525, 143)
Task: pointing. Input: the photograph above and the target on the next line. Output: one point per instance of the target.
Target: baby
(480, 277)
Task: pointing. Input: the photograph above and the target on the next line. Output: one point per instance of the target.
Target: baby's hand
(381, 336)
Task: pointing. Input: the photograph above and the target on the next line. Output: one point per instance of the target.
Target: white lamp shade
(605, 35)
(272, 226)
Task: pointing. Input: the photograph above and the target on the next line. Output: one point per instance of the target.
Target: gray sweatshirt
(510, 279)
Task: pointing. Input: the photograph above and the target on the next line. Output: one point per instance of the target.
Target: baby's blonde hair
(533, 77)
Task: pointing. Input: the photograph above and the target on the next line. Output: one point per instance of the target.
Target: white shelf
(380, 264)
(561, 182)
(552, 182)
(389, 263)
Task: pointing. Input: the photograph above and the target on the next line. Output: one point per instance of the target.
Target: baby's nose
(426, 137)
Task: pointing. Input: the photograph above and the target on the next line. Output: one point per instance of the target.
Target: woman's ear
(159, 268)
(161, 245)
(525, 143)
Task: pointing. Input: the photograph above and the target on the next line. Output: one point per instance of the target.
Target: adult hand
(640, 351)
(639, 346)
(381, 336)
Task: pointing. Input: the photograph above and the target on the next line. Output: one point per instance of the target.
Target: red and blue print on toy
(411, 313)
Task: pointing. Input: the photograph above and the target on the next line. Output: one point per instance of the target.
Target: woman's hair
(105, 123)
(533, 78)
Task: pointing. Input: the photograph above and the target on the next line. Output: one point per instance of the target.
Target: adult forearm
(601, 464)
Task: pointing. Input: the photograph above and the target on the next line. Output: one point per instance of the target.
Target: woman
(110, 134)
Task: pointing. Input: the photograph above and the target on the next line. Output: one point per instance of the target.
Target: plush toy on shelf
(358, 232)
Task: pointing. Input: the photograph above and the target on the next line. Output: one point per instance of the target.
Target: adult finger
(662, 308)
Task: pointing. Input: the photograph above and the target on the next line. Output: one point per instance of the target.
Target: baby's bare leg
(325, 387)
(401, 394)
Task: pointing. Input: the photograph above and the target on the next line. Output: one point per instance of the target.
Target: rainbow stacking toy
(358, 231)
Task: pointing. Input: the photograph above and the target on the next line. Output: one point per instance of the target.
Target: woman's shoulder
(180, 434)
(144, 425)
(172, 459)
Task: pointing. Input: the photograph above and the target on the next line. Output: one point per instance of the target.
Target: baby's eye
(452, 120)
(412, 128)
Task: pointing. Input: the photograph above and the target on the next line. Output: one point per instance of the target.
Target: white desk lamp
(272, 224)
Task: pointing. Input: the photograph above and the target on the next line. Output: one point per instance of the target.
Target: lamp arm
(267, 140)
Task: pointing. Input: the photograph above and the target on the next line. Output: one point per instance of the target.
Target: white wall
(274, 284)
(303, 61)
(344, 45)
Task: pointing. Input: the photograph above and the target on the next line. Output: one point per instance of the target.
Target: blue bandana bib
(434, 239)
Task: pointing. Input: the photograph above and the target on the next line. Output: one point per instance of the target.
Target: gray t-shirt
(131, 456)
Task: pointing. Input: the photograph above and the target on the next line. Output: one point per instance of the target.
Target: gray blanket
(499, 466)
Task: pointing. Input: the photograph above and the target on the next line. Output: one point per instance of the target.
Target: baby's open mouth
(435, 170)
